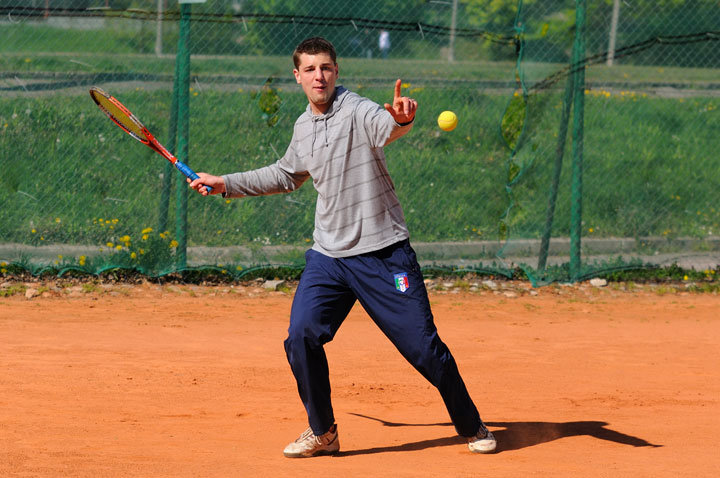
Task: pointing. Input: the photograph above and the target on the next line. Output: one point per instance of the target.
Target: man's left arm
(384, 126)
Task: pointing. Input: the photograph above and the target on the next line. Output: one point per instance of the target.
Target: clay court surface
(188, 381)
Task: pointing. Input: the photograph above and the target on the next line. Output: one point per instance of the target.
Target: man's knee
(435, 361)
(304, 332)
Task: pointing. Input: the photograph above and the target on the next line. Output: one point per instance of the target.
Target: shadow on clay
(510, 435)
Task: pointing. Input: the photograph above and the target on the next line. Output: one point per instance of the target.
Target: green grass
(120, 47)
(354, 69)
(648, 169)
(94, 171)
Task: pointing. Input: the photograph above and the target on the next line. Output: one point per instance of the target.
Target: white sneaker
(483, 442)
(309, 444)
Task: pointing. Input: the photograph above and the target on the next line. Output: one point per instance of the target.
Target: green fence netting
(587, 138)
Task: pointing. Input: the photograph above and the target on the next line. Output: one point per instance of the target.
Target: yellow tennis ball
(447, 121)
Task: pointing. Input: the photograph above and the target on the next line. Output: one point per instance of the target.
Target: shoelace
(305, 435)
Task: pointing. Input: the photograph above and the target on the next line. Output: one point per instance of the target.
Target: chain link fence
(587, 138)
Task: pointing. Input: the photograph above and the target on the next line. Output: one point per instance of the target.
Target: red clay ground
(177, 381)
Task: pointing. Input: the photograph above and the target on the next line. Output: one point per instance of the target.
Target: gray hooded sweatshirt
(357, 210)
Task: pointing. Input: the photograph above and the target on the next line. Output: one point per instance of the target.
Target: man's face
(317, 75)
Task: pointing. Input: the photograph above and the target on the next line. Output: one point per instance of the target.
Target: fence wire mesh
(495, 194)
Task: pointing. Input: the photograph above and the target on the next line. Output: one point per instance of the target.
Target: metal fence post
(578, 136)
(183, 121)
(557, 170)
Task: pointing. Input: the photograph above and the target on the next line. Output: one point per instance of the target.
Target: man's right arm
(273, 179)
(284, 176)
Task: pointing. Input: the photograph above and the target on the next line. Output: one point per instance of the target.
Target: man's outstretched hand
(204, 179)
(402, 108)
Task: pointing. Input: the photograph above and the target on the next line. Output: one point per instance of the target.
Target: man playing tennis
(361, 249)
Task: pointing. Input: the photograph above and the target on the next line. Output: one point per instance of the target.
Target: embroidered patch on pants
(401, 282)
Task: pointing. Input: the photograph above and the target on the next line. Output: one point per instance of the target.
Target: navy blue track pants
(389, 285)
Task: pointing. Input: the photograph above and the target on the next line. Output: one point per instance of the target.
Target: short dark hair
(313, 46)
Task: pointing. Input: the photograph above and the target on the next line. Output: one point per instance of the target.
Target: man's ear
(297, 75)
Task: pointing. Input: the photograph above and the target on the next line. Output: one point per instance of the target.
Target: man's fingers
(396, 108)
(409, 105)
(196, 184)
(398, 87)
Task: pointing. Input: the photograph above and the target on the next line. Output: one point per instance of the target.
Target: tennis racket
(132, 126)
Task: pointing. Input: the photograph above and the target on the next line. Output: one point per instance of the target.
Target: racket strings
(119, 114)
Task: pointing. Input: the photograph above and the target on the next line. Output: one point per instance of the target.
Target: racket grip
(185, 169)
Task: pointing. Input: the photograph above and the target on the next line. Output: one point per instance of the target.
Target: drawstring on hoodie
(327, 144)
(312, 145)
(339, 90)
(326, 134)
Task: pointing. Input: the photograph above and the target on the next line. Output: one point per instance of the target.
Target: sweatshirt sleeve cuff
(230, 190)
